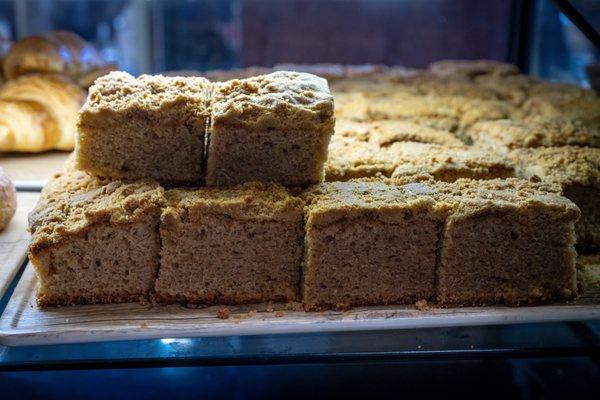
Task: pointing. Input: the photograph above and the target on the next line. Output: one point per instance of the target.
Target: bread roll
(8, 199)
(60, 98)
(60, 52)
(26, 126)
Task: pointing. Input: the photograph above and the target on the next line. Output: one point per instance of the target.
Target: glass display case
(538, 356)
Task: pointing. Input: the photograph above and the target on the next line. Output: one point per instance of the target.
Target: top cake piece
(146, 127)
(270, 128)
(301, 96)
(506, 135)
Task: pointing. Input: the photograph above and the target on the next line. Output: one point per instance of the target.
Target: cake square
(351, 106)
(471, 69)
(450, 113)
(448, 164)
(94, 241)
(577, 171)
(147, 127)
(506, 135)
(270, 128)
(352, 129)
(563, 103)
(423, 110)
(369, 243)
(506, 241)
(230, 246)
(386, 132)
(351, 157)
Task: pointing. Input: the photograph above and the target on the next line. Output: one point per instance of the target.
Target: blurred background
(158, 35)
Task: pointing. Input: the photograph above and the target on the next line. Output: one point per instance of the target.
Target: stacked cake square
(238, 191)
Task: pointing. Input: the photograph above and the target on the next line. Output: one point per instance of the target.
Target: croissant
(58, 96)
(61, 52)
(26, 126)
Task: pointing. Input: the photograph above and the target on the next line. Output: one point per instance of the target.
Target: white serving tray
(23, 323)
(15, 239)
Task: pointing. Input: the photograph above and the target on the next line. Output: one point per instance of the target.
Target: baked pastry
(387, 132)
(351, 158)
(369, 243)
(270, 128)
(575, 104)
(351, 106)
(506, 135)
(577, 171)
(230, 246)
(146, 127)
(8, 199)
(450, 113)
(61, 52)
(60, 98)
(95, 241)
(27, 126)
(448, 164)
(506, 241)
(413, 228)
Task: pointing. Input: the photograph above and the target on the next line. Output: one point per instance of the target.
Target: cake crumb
(278, 313)
(144, 324)
(223, 313)
(251, 313)
(422, 305)
(270, 307)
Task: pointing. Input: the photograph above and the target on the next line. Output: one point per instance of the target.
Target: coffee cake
(369, 243)
(146, 127)
(577, 171)
(230, 246)
(272, 128)
(95, 242)
(506, 241)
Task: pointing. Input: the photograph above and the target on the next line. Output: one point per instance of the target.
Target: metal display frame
(557, 340)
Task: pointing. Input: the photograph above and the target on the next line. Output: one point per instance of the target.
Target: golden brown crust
(259, 101)
(565, 165)
(351, 158)
(506, 135)
(146, 127)
(59, 97)
(332, 201)
(385, 133)
(576, 104)
(27, 126)
(120, 92)
(74, 201)
(449, 164)
(471, 196)
(250, 201)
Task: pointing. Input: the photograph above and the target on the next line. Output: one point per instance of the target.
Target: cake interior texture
(270, 128)
(95, 242)
(576, 170)
(238, 191)
(516, 249)
(111, 266)
(242, 245)
(147, 127)
(369, 243)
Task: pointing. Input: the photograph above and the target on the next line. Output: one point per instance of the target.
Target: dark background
(158, 35)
